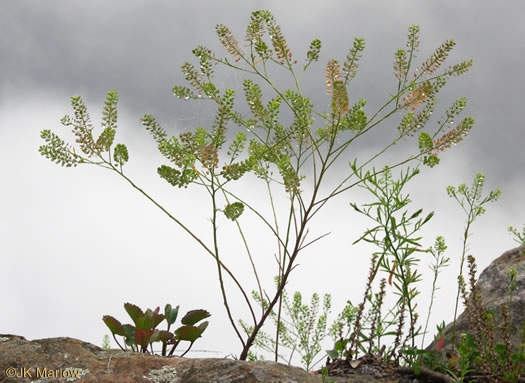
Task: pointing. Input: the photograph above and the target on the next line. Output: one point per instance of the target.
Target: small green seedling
(144, 333)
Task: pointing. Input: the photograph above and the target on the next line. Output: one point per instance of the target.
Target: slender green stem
(208, 250)
(219, 268)
(464, 251)
(256, 274)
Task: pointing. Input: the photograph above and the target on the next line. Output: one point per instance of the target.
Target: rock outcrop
(493, 287)
(71, 360)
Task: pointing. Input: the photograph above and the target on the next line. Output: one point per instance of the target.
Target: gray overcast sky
(75, 244)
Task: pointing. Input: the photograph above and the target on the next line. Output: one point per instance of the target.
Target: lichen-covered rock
(493, 287)
(66, 359)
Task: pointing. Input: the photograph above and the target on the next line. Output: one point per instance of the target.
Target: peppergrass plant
(519, 237)
(276, 152)
(472, 204)
(302, 329)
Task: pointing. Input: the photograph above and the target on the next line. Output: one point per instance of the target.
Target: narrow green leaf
(428, 217)
(416, 214)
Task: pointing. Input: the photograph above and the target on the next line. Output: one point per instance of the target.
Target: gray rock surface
(493, 287)
(73, 360)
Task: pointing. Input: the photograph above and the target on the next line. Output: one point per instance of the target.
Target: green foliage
(351, 65)
(121, 154)
(470, 200)
(356, 120)
(340, 331)
(109, 122)
(144, 333)
(394, 234)
(57, 150)
(425, 142)
(492, 359)
(477, 356)
(105, 342)
(301, 329)
(278, 153)
(440, 261)
(520, 238)
(324, 374)
(234, 210)
(313, 52)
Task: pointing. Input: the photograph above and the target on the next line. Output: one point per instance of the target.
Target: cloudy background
(75, 244)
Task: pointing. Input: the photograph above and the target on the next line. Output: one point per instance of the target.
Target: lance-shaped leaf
(114, 325)
(416, 214)
(194, 316)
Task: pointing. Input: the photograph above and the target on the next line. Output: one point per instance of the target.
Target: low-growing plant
(472, 203)
(324, 375)
(105, 342)
(340, 331)
(476, 357)
(302, 328)
(440, 261)
(478, 349)
(142, 336)
(519, 237)
(285, 150)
